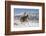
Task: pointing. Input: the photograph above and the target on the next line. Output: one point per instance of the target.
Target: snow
(30, 23)
(19, 24)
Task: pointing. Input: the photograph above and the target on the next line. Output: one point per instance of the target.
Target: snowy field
(19, 24)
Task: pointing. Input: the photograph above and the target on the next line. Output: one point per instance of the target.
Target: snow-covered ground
(18, 24)
(32, 21)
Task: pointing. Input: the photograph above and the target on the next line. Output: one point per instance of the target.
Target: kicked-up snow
(19, 24)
